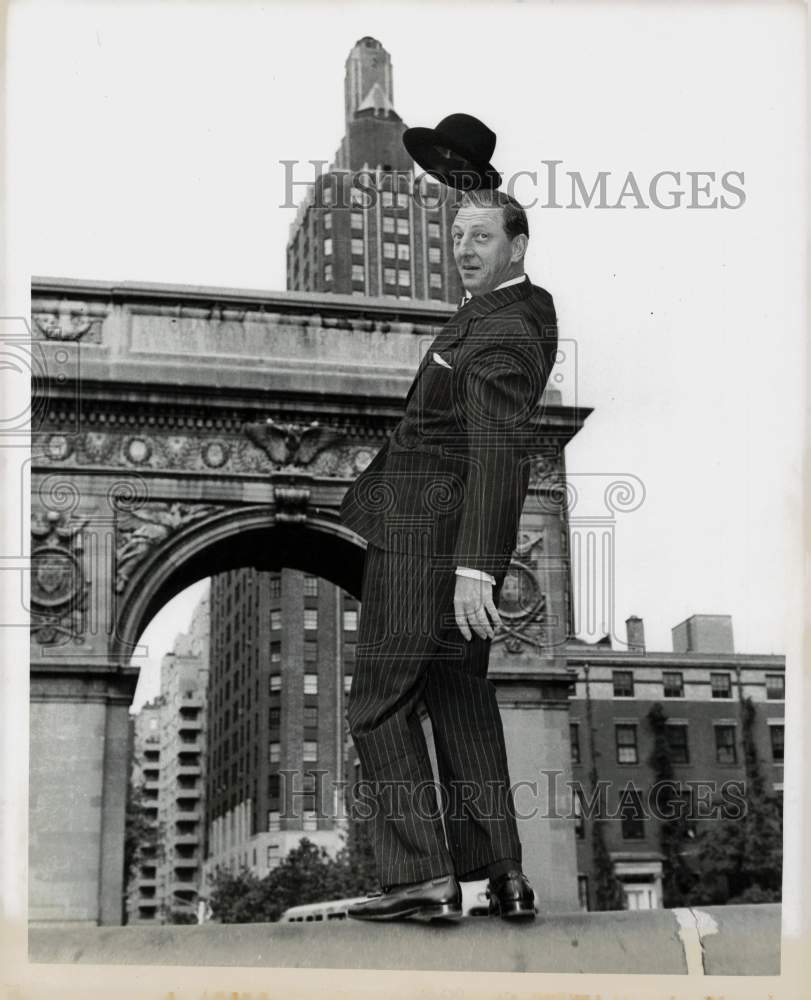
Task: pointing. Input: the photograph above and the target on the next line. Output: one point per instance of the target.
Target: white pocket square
(441, 361)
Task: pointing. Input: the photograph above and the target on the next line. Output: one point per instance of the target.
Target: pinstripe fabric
(410, 650)
(446, 490)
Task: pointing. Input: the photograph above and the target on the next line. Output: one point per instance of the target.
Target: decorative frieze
(263, 449)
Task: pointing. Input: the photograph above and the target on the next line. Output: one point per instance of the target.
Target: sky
(147, 142)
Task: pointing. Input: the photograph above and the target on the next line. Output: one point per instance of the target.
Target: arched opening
(249, 537)
(248, 747)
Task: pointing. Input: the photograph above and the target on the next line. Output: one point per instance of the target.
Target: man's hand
(474, 608)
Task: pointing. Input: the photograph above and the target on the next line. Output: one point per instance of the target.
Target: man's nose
(463, 247)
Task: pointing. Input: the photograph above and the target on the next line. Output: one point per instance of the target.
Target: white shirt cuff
(475, 574)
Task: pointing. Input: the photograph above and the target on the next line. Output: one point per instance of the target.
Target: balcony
(191, 862)
(188, 770)
(187, 839)
(188, 815)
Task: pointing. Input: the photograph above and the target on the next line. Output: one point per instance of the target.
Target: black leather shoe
(511, 896)
(436, 898)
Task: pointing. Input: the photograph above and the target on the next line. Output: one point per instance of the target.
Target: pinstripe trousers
(410, 650)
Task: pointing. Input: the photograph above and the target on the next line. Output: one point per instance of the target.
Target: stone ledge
(718, 940)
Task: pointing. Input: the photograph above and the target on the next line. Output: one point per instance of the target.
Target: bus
(474, 904)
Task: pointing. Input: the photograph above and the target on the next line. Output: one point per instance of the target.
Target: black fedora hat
(456, 152)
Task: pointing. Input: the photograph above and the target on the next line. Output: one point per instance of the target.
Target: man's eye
(482, 236)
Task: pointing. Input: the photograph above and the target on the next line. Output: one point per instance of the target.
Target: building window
(275, 683)
(623, 683)
(626, 744)
(273, 786)
(275, 619)
(311, 618)
(403, 251)
(433, 230)
(574, 741)
(309, 820)
(390, 250)
(326, 194)
(274, 751)
(275, 586)
(673, 681)
(327, 220)
(387, 199)
(274, 823)
(328, 247)
(579, 825)
(311, 683)
(775, 687)
(388, 224)
(347, 683)
(357, 247)
(311, 716)
(676, 735)
(358, 273)
(274, 855)
(436, 280)
(726, 752)
(350, 621)
(721, 685)
(274, 716)
(403, 278)
(328, 272)
(402, 227)
(777, 734)
(310, 750)
(434, 255)
(633, 828)
(310, 651)
(389, 275)
(356, 220)
(310, 586)
(583, 891)
(275, 652)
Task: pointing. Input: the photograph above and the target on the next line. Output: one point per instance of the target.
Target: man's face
(482, 250)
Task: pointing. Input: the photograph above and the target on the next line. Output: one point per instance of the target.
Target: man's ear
(519, 247)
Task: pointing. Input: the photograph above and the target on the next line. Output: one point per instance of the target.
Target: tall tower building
(360, 230)
(282, 648)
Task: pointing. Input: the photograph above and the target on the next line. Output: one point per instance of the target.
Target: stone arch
(250, 536)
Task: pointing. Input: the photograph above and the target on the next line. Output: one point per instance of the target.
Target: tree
(307, 875)
(678, 877)
(739, 860)
(142, 839)
(608, 894)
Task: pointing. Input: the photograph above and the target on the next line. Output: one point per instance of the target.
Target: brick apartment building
(700, 685)
(391, 244)
(282, 654)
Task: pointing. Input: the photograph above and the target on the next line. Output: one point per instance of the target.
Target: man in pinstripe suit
(439, 506)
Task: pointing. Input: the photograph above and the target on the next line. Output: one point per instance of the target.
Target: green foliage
(307, 875)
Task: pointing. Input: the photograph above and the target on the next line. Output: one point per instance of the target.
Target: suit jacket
(451, 480)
